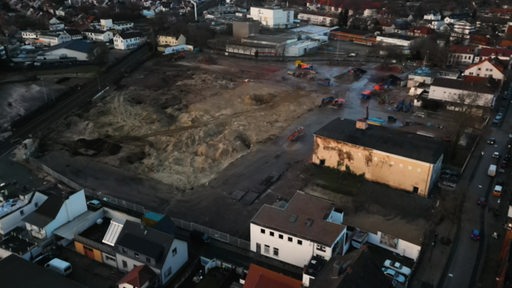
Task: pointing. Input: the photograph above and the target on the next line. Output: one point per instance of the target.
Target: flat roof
(304, 217)
(79, 224)
(385, 139)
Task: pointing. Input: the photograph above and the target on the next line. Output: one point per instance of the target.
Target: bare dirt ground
(182, 123)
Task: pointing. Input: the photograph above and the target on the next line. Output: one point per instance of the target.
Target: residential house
(272, 17)
(259, 277)
(14, 209)
(75, 34)
(106, 24)
(396, 40)
(421, 31)
(171, 40)
(55, 25)
(358, 268)
(461, 55)
(53, 38)
(80, 50)
(98, 241)
(17, 272)
(140, 277)
(480, 40)
(128, 40)
(470, 91)
(123, 25)
(462, 29)
(503, 54)
(29, 34)
(141, 245)
(56, 211)
(98, 35)
(489, 68)
(402, 160)
(294, 232)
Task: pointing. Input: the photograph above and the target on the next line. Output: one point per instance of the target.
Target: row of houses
(32, 223)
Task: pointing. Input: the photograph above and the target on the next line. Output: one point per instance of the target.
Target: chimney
(361, 124)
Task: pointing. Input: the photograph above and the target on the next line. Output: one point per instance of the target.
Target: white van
(60, 266)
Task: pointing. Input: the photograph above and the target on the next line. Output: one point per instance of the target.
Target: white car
(395, 276)
(496, 155)
(397, 267)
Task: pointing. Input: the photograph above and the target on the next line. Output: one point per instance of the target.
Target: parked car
(398, 267)
(496, 155)
(481, 202)
(491, 141)
(497, 191)
(475, 234)
(395, 276)
(498, 118)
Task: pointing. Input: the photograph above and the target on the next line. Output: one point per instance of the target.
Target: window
(320, 248)
(123, 250)
(262, 231)
(22, 212)
(290, 239)
(110, 258)
(299, 242)
(125, 264)
(136, 255)
(271, 233)
(266, 249)
(148, 260)
(276, 252)
(174, 251)
(280, 236)
(168, 272)
(36, 204)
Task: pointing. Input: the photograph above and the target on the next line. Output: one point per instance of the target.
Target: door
(258, 248)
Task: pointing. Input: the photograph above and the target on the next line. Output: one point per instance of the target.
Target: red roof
(422, 30)
(259, 277)
(138, 276)
(460, 49)
(496, 52)
(494, 62)
(505, 43)
(481, 40)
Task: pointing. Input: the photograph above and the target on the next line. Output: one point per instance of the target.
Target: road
(35, 124)
(465, 265)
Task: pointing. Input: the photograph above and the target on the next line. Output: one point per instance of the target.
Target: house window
(148, 260)
(276, 252)
(110, 258)
(168, 272)
(22, 212)
(262, 231)
(280, 236)
(320, 248)
(266, 249)
(290, 239)
(174, 251)
(271, 233)
(299, 242)
(136, 255)
(125, 264)
(123, 250)
(36, 204)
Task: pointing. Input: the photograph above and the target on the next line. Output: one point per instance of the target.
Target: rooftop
(463, 86)
(16, 244)
(304, 216)
(80, 45)
(46, 212)
(389, 140)
(259, 277)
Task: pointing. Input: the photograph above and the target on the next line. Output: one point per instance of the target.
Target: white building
(272, 17)
(139, 245)
(487, 68)
(464, 55)
(98, 35)
(395, 39)
(128, 40)
(52, 39)
(318, 19)
(457, 92)
(13, 210)
(55, 24)
(294, 232)
(123, 25)
(106, 24)
(29, 34)
(56, 211)
(462, 29)
(81, 50)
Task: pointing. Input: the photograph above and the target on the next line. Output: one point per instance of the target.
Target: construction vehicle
(332, 102)
(296, 134)
(302, 65)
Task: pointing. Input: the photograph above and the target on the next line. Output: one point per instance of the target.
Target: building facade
(405, 161)
(304, 227)
(272, 17)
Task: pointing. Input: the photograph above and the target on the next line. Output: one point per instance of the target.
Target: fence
(189, 226)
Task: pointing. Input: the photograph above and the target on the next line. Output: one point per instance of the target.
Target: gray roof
(47, 212)
(389, 140)
(130, 34)
(84, 46)
(145, 240)
(18, 273)
(464, 86)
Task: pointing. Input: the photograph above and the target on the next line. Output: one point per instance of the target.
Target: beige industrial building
(402, 160)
